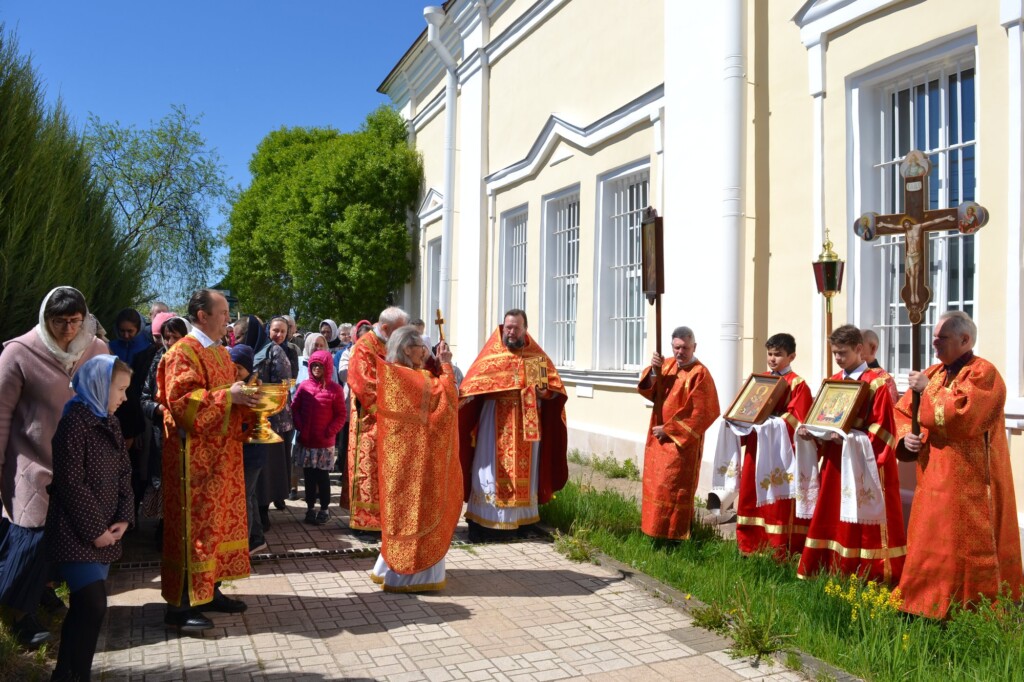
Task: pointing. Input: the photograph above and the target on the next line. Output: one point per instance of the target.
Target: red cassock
(963, 538)
(363, 490)
(689, 407)
(875, 552)
(206, 532)
(772, 525)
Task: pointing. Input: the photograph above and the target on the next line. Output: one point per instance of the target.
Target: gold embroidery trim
(790, 419)
(501, 525)
(772, 528)
(425, 587)
(882, 435)
(856, 552)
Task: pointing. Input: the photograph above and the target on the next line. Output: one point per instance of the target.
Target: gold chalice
(271, 400)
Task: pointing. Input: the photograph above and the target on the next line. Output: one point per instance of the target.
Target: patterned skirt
(313, 458)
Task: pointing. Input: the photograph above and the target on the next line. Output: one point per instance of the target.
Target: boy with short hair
(775, 524)
(857, 523)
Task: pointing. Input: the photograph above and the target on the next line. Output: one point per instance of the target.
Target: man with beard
(512, 433)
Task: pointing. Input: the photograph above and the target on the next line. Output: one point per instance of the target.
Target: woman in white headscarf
(35, 382)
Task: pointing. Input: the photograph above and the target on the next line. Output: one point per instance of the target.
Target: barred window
(514, 260)
(563, 275)
(622, 306)
(934, 112)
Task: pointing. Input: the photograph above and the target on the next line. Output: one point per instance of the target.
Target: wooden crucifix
(440, 325)
(915, 223)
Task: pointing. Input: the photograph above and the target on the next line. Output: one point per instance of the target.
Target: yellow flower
(688, 596)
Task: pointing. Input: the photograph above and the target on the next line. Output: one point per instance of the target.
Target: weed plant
(854, 625)
(609, 466)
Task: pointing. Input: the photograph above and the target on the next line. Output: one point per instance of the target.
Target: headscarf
(310, 343)
(127, 350)
(324, 358)
(255, 337)
(242, 354)
(334, 331)
(158, 321)
(284, 319)
(83, 339)
(92, 385)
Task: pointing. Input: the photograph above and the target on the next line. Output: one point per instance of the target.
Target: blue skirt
(24, 568)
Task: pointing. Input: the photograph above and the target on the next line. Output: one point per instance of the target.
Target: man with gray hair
(685, 405)
(963, 543)
(364, 497)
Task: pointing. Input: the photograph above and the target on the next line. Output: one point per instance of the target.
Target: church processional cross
(915, 223)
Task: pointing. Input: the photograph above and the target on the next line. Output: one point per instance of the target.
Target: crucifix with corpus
(915, 223)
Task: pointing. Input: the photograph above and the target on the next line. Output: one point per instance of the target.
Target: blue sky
(248, 67)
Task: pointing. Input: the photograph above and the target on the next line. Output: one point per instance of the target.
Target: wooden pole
(658, 397)
(915, 364)
(828, 335)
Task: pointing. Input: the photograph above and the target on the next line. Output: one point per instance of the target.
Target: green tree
(56, 227)
(323, 227)
(164, 183)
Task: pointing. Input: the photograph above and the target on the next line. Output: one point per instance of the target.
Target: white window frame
(514, 224)
(879, 264)
(560, 280)
(433, 289)
(620, 311)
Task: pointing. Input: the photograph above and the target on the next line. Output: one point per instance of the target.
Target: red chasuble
(206, 529)
(364, 498)
(875, 552)
(772, 525)
(418, 465)
(521, 419)
(671, 469)
(963, 538)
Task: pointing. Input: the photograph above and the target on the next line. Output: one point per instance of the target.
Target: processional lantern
(828, 277)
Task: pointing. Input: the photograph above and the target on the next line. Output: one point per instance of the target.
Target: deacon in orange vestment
(364, 496)
(417, 464)
(512, 431)
(206, 537)
(963, 539)
(773, 525)
(689, 405)
(875, 551)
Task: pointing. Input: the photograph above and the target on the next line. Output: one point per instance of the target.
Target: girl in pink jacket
(319, 412)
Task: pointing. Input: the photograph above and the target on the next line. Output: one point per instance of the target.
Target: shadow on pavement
(479, 582)
(241, 671)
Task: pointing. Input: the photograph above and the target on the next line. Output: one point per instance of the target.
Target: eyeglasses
(66, 323)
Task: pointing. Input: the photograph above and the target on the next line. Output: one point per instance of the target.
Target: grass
(609, 466)
(21, 665)
(576, 546)
(852, 625)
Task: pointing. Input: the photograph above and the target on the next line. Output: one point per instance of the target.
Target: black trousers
(318, 484)
(80, 631)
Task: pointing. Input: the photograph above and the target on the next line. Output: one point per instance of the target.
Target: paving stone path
(516, 611)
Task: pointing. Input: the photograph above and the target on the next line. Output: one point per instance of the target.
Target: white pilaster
(1012, 18)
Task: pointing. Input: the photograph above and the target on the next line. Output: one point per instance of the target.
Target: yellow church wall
(557, 69)
(507, 15)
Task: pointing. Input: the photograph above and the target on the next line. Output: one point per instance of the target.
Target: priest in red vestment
(689, 405)
(773, 525)
(512, 433)
(206, 530)
(417, 464)
(363, 493)
(963, 542)
(875, 546)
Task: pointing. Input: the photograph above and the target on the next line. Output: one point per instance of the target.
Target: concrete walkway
(515, 611)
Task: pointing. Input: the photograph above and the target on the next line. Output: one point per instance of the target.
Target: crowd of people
(161, 422)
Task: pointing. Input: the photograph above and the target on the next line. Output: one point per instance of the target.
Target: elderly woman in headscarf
(36, 369)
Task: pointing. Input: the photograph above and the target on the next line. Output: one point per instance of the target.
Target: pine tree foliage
(56, 226)
(323, 228)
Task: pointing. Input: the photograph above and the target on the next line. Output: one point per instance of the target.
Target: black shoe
(279, 505)
(224, 604)
(293, 495)
(30, 633)
(310, 517)
(188, 620)
(322, 517)
(51, 603)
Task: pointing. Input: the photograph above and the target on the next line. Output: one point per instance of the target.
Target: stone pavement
(516, 611)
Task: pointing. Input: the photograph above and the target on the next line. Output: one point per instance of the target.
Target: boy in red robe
(874, 548)
(775, 524)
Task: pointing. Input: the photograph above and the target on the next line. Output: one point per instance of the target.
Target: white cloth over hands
(861, 498)
(773, 467)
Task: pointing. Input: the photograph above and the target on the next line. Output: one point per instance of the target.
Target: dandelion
(688, 596)
(906, 640)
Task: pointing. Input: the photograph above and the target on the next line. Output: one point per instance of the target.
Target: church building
(756, 130)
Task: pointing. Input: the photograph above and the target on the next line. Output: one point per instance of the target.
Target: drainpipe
(734, 82)
(435, 18)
